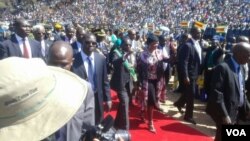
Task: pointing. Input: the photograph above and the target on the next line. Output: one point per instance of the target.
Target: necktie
(25, 49)
(241, 86)
(43, 48)
(91, 73)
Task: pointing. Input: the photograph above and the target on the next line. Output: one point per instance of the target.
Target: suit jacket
(75, 46)
(84, 118)
(225, 93)
(190, 65)
(120, 76)
(101, 76)
(48, 43)
(11, 47)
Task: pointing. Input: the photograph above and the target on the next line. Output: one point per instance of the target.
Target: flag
(184, 24)
(200, 25)
(221, 29)
(151, 26)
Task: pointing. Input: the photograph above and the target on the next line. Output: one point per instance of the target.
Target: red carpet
(168, 129)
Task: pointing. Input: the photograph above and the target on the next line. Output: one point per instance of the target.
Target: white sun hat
(36, 100)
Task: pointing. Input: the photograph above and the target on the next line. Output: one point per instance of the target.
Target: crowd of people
(98, 39)
(134, 13)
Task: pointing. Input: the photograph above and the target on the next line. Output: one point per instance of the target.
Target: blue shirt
(241, 80)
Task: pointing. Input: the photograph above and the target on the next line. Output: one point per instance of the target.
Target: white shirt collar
(86, 56)
(20, 39)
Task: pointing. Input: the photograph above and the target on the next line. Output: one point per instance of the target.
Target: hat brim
(66, 98)
(101, 35)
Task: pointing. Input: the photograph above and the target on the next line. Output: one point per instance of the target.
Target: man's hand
(226, 120)
(108, 106)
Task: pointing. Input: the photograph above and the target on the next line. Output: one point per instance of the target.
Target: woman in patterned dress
(151, 78)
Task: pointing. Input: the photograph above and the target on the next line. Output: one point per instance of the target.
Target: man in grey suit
(19, 44)
(39, 35)
(92, 67)
(61, 54)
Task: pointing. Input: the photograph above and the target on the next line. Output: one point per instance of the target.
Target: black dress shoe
(190, 120)
(179, 108)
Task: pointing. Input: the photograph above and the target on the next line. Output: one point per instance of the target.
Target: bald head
(242, 39)
(61, 55)
(241, 52)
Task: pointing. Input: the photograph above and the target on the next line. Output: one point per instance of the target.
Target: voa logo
(236, 132)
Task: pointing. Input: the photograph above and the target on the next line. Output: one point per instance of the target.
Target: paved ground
(204, 122)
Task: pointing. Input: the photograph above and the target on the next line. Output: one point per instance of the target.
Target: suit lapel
(33, 49)
(82, 67)
(235, 76)
(197, 52)
(15, 45)
(47, 45)
(97, 64)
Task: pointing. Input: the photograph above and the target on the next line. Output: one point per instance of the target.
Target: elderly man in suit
(92, 67)
(227, 102)
(19, 44)
(190, 69)
(39, 35)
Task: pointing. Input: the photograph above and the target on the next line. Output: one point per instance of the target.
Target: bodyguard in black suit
(19, 44)
(227, 102)
(91, 66)
(190, 68)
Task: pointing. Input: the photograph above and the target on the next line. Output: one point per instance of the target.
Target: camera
(105, 132)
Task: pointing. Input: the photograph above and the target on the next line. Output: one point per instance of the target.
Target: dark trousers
(98, 110)
(180, 79)
(167, 74)
(122, 116)
(187, 97)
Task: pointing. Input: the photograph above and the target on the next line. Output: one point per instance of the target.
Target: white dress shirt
(20, 43)
(198, 49)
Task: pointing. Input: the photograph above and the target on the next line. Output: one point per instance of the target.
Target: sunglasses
(89, 42)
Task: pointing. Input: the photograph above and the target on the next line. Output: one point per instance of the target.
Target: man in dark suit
(77, 46)
(70, 34)
(61, 55)
(19, 44)
(227, 102)
(39, 35)
(92, 67)
(120, 82)
(191, 61)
